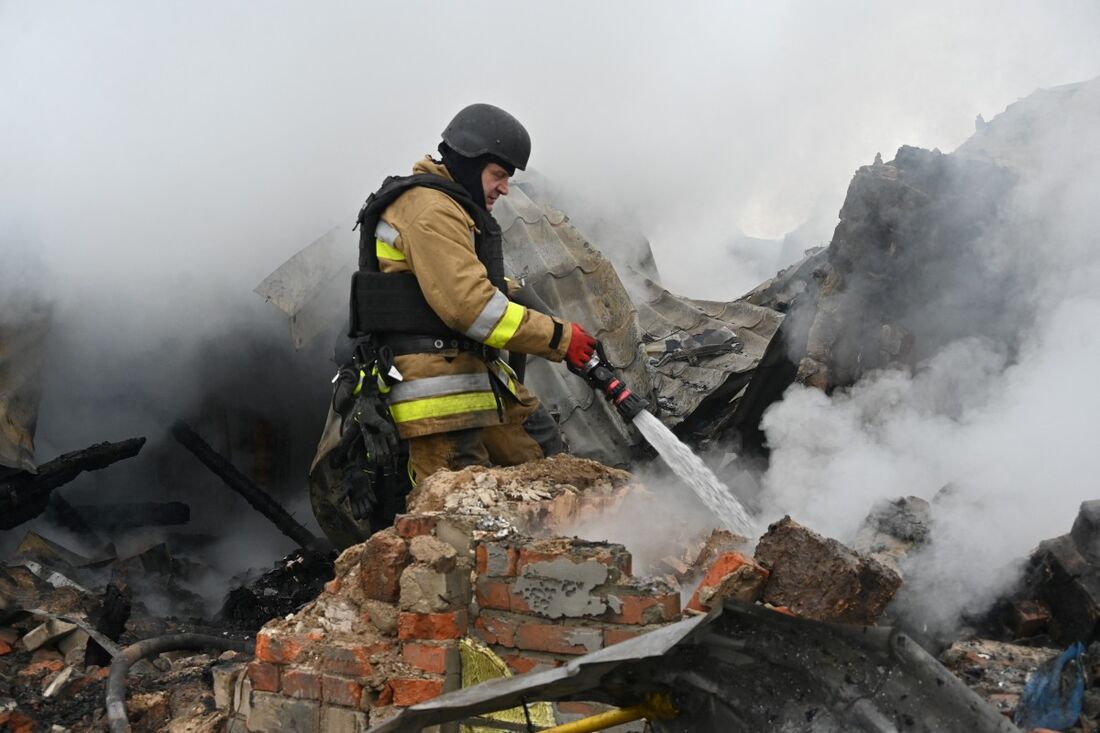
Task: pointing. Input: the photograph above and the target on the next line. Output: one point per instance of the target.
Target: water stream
(689, 467)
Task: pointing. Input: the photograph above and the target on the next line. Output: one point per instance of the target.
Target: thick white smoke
(1012, 432)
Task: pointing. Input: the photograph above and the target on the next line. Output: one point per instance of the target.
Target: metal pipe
(120, 667)
(655, 706)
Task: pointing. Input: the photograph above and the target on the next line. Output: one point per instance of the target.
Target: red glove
(581, 347)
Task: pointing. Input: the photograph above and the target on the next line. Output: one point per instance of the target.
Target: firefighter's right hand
(582, 345)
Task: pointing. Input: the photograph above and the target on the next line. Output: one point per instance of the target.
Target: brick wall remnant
(385, 632)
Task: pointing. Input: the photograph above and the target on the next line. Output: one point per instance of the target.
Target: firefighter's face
(494, 181)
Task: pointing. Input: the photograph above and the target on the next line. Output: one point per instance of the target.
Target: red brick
(732, 567)
(618, 560)
(496, 629)
(352, 660)
(5, 648)
(408, 692)
(558, 639)
(481, 557)
(414, 525)
(15, 722)
(493, 594)
(340, 691)
(38, 668)
(280, 648)
(428, 657)
(437, 626)
(301, 683)
(334, 585)
(385, 697)
(615, 635)
(652, 609)
(383, 559)
(264, 676)
(521, 663)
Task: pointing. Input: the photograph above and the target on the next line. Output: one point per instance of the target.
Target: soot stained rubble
(482, 572)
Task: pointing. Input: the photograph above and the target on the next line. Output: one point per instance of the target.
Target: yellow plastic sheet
(480, 663)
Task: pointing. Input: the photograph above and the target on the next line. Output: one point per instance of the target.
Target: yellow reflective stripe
(359, 386)
(506, 329)
(388, 252)
(445, 406)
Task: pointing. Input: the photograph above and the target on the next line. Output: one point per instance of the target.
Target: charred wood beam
(24, 496)
(253, 494)
(135, 514)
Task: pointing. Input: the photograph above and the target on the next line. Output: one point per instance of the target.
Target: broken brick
(35, 669)
(408, 692)
(615, 634)
(493, 594)
(432, 658)
(613, 556)
(558, 639)
(494, 629)
(340, 691)
(646, 609)
(496, 558)
(278, 648)
(384, 557)
(5, 648)
(415, 525)
(301, 683)
(820, 578)
(731, 575)
(426, 589)
(353, 660)
(1028, 618)
(430, 551)
(263, 676)
(438, 626)
(524, 662)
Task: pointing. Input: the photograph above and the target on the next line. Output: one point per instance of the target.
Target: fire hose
(120, 667)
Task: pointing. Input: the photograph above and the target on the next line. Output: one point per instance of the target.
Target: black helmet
(482, 129)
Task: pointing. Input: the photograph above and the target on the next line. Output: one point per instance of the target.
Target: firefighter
(431, 296)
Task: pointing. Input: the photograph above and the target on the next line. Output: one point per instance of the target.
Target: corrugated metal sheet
(702, 350)
(579, 284)
(312, 286)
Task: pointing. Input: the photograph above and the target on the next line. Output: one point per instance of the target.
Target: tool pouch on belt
(367, 455)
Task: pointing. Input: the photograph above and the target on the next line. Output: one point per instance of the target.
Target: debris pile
(476, 561)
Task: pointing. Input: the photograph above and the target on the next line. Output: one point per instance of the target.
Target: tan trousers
(499, 445)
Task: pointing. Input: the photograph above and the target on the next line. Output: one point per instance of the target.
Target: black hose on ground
(120, 667)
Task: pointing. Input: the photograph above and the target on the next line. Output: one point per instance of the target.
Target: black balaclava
(467, 171)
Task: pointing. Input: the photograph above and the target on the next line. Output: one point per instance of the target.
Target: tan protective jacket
(427, 233)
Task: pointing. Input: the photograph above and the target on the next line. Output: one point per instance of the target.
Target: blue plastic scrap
(1053, 693)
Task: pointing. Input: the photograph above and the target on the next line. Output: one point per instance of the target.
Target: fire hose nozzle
(601, 377)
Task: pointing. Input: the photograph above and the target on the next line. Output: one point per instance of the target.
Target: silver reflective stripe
(418, 389)
(489, 317)
(385, 232)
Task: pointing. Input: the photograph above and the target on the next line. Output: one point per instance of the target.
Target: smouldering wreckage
(481, 577)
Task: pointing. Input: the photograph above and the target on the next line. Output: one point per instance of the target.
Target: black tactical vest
(393, 303)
